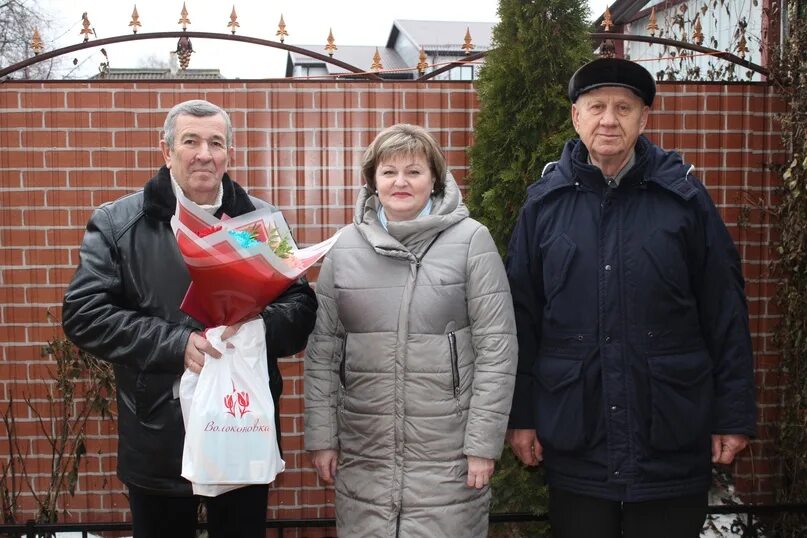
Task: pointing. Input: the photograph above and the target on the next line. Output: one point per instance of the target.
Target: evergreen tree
(523, 123)
(525, 112)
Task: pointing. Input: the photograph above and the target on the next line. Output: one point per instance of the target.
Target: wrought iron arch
(356, 71)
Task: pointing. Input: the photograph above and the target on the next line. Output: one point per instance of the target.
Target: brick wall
(67, 147)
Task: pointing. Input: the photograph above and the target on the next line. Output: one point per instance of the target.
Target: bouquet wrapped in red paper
(237, 265)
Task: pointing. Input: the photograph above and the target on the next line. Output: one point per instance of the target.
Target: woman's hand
(325, 462)
(479, 472)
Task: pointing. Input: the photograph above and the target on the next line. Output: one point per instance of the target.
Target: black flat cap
(613, 72)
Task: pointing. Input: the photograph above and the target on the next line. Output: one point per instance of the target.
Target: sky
(353, 22)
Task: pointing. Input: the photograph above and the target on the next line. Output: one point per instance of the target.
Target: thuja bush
(523, 123)
(524, 116)
(789, 74)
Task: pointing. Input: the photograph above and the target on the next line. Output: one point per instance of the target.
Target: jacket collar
(653, 165)
(159, 201)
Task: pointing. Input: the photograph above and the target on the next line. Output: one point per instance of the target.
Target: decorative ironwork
(608, 48)
(233, 24)
(468, 46)
(697, 35)
(281, 29)
(742, 46)
(36, 43)
(652, 24)
(607, 21)
(376, 65)
(184, 50)
(183, 18)
(331, 46)
(135, 22)
(422, 63)
(86, 30)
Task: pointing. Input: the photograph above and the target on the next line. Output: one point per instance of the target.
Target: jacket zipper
(455, 368)
(342, 375)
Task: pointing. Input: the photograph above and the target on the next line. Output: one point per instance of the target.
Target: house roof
(442, 35)
(623, 11)
(140, 73)
(358, 55)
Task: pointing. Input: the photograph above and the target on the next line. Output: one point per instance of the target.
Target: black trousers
(580, 516)
(240, 513)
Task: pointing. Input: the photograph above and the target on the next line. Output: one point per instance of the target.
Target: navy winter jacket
(632, 323)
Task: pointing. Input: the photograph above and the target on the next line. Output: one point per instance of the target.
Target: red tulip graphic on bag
(243, 402)
(241, 399)
(229, 404)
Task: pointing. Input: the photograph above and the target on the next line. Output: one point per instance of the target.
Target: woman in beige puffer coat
(410, 369)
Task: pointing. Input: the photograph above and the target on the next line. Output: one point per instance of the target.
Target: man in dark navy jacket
(635, 362)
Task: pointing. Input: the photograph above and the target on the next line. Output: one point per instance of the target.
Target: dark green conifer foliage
(524, 118)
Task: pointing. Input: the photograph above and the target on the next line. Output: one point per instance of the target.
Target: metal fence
(748, 524)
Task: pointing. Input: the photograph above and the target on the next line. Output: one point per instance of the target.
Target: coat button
(616, 473)
(579, 337)
(650, 334)
(607, 339)
(607, 267)
(613, 408)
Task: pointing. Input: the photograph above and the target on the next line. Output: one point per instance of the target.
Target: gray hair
(197, 108)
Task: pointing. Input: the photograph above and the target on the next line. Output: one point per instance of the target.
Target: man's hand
(725, 447)
(479, 472)
(526, 446)
(195, 351)
(325, 462)
(230, 330)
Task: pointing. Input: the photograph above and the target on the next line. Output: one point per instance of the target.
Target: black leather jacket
(123, 306)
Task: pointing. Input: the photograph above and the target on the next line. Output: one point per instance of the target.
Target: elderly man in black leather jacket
(123, 306)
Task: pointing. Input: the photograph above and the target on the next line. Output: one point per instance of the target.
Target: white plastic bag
(230, 436)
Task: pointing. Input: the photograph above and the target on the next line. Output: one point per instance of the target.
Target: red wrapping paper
(229, 282)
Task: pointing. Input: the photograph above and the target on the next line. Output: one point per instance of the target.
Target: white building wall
(720, 23)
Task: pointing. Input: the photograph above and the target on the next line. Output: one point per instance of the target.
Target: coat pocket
(557, 254)
(681, 397)
(560, 421)
(152, 392)
(455, 369)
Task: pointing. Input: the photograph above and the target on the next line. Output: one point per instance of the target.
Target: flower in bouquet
(237, 265)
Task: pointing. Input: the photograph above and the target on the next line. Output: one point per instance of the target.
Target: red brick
(135, 100)
(380, 99)
(67, 159)
(66, 120)
(9, 99)
(90, 139)
(14, 159)
(43, 178)
(136, 139)
(67, 198)
(113, 159)
(9, 139)
(68, 237)
(44, 217)
(26, 198)
(44, 294)
(44, 139)
(425, 100)
(46, 100)
(89, 100)
(30, 120)
(111, 120)
(20, 237)
(47, 257)
(24, 276)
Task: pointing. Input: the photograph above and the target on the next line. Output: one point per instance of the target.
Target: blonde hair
(407, 139)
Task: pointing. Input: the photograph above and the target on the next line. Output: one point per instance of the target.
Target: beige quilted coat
(410, 369)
